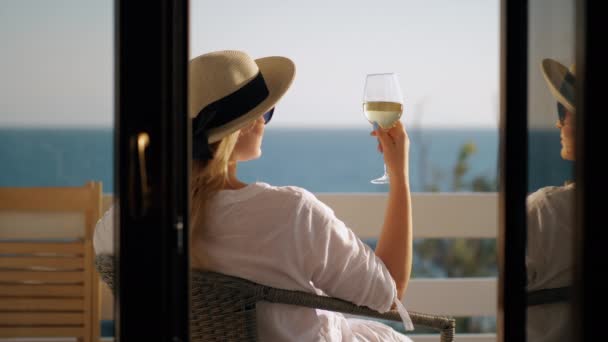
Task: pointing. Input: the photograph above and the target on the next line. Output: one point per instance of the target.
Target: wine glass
(382, 105)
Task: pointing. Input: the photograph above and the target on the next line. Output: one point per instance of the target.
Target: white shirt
(549, 260)
(286, 238)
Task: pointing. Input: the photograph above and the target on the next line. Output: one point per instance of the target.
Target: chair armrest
(445, 325)
(549, 296)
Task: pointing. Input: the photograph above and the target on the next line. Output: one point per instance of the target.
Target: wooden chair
(223, 308)
(48, 283)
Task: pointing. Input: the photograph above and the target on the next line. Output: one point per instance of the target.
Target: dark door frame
(151, 173)
(511, 315)
(591, 171)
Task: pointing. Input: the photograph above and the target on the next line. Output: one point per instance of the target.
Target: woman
(284, 236)
(550, 222)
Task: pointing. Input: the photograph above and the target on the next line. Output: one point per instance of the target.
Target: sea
(320, 160)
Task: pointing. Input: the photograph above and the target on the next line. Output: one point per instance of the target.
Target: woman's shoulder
(551, 192)
(299, 196)
(286, 191)
(103, 237)
(551, 197)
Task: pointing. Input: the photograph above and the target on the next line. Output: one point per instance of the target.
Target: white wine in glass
(385, 114)
(382, 105)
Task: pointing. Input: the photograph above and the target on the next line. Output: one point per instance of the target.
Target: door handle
(139, 186)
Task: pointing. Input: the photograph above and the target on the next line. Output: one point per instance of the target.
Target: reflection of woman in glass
(550, 222)
(284, 236)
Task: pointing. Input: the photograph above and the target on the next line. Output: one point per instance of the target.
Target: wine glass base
(381, 180)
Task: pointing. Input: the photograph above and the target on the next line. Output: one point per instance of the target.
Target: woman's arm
(394, 246)
(103, 237)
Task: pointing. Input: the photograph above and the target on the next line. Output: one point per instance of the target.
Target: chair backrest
(222, 307)
(48, 284)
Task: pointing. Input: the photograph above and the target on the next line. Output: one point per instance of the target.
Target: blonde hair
(208, 177)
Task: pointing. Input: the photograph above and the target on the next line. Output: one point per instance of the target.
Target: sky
(56, 63)
(57, 58)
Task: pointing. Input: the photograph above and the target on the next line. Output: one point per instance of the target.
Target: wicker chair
(549, 296)
(223, 307)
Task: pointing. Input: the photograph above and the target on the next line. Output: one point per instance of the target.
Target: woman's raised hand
(394, 144)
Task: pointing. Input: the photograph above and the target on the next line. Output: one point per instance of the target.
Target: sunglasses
(268, 115)
(567, 90)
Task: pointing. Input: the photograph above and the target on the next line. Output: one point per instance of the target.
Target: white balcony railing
(437, 215)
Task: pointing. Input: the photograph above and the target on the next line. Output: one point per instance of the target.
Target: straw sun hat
(561, 83)
(228, 90)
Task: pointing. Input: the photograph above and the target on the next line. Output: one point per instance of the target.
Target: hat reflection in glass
(560, 81)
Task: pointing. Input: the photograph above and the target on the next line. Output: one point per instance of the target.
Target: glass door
(551, 192)
(56, 157)
(590, 170)
(551, 241)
